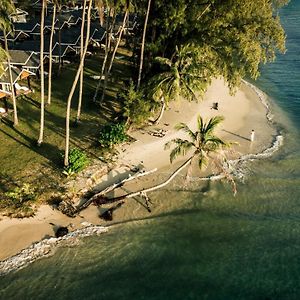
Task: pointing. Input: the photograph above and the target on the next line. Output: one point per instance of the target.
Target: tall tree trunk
(99, 200)
(81, 73)
(143, 45)
(67, 142)
(109, 32)
(41, 136)
(162, 110)
(113, 55)
(13, 95)
(59, 41)
(50, 55)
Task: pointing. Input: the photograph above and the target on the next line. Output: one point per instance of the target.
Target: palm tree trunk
(67, 142)
(81, 73)
(102, 200)
(143, 45)
(118, 42)
(107, 47)
(113, 55)
(41, 136)
(59, 41)
(16, 121)
(163, 106)
(50, 55)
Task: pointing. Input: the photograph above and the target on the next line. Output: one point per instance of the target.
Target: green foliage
(77, 162)
(184, 75)
(18, 202)
(234, 37)
(136, 107)
(112, 134)
(202, 141)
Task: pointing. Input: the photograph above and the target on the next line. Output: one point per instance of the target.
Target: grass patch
(21, 159)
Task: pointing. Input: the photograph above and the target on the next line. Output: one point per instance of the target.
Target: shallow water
(208, 244)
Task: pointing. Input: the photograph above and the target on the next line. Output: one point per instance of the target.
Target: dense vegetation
(176, 49)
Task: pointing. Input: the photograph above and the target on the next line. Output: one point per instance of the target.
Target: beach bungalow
(27, 28)
(26, 60)
(14, 37)
(98, 34)
(19, 16)
(19, 75)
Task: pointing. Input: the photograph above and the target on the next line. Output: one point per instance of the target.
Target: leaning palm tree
(203, 143)
(6, 8)
(182, 75)
(41, 135)
(80, 67)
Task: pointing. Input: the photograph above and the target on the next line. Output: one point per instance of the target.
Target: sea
(206, 244)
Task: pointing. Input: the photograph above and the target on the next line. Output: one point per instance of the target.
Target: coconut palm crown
(203, 141)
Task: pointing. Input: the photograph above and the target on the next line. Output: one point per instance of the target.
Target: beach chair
(21, 88)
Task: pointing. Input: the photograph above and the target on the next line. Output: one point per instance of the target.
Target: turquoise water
(208, 244)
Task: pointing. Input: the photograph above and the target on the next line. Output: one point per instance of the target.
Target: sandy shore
(243, 112)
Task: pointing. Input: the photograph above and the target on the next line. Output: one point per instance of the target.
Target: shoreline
(16, 258)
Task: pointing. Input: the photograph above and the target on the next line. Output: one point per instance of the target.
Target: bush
(136, 107)
(18, 202)
(77, 162)
(112, 134)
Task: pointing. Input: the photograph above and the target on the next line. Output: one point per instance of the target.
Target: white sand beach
(243, 112)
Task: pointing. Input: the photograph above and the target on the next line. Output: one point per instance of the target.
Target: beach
(243, 112)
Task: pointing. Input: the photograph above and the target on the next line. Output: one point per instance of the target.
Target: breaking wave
(46, 248)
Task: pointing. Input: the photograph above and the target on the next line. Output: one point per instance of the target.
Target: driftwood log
(100, 199)
(111, 188)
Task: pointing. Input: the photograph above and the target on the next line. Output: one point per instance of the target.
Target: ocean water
(207, 244)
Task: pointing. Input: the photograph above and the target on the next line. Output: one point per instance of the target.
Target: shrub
(136, 107)
(77, 161)
(18, 202)
(112, 134)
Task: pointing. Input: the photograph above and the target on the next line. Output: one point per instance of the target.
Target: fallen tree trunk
(100, 199)
(111, 188)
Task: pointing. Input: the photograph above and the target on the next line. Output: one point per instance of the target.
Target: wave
(46, 248)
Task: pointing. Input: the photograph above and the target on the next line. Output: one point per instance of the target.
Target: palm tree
(182, 75)
(41, 135)
(109, 26)
(87, 38)
(50, 51)
(81, 73)
(202, 142)
(6, 8)
(115, 49)
(143, 45)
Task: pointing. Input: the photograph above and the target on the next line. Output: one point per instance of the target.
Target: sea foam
(46, 248)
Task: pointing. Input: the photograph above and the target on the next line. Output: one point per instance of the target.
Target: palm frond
(186, 129)
(217, 141)
(200, 123)
(213, 123)
(3, 58)
(163, 61)
(182, 147)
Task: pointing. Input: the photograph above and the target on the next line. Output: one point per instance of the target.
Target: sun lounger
(21, 88)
